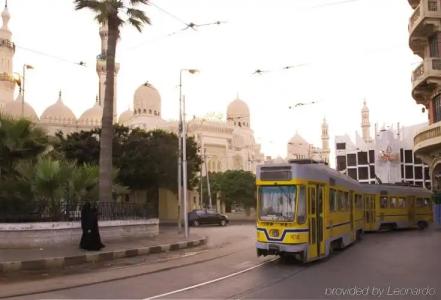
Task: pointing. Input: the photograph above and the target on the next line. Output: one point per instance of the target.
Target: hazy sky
(349, 51)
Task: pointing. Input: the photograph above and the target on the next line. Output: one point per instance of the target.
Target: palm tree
(19, 140)
(114, 14)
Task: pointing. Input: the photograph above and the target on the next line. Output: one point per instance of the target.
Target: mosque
(225, 145)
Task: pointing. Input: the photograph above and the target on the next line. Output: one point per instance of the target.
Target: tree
(235, 187)
(19, 140)
(148, 160)
(239, 187)
(84, 146)
(109, 12)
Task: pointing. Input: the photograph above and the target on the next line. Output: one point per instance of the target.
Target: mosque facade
(225, 145)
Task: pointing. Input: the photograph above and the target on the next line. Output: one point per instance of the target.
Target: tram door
(315, 217)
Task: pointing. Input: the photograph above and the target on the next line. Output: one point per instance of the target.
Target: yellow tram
(307, 209)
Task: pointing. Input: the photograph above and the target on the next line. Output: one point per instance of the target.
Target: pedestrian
(90, 239)
(95, 230)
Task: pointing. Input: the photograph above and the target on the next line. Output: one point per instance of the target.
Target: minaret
(325, 141)
(365, 125)
(101, 69)
(7, 50)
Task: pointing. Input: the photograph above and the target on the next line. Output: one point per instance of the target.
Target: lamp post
(182, 160)
(25, 66)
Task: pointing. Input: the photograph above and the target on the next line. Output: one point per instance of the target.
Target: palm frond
(136, 23)
(91, 4)
(138, 15)
(136, 2)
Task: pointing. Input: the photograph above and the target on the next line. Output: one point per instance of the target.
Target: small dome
(14, 109)
(58, 113)
(238, 113)
(92, 117)
(125, 116)
(147, 101)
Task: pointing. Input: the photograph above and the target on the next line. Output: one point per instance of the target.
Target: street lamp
(25, 66)
(182, 160)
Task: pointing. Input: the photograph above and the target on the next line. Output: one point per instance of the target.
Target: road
(383, 265)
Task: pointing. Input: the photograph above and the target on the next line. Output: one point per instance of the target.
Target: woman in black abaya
(90, 239)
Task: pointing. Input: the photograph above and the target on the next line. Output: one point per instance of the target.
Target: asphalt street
(392, 265)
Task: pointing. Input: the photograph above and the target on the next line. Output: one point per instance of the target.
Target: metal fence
(72, 212)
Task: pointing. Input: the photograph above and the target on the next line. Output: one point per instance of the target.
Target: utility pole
(208, 180)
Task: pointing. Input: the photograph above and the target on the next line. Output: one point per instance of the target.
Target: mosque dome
(297, 140)
(147, 101)
(58, 113)
(125, 116)
(92, 117)
(14, 109)
(238, 113)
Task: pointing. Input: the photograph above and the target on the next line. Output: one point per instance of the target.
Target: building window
(341, 162)
(401, 156)
(340, 146)
(363, 173)
(362, 158)
(433, 46)
(352, 160)
(436, 108)
(371, 156)
(402, 171)
(408, 156)
(372, 171)
(409, 172)
(418, 173)
(352, 173)
(426, 173)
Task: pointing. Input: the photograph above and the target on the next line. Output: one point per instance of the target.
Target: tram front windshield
(277, 203)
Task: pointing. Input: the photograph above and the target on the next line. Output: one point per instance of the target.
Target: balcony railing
(426, 9)
(422, 139)
(430, 68)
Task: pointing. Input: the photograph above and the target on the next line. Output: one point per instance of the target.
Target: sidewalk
(58, 257)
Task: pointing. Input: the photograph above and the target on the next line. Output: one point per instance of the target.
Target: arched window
(145, 111)
(150, 111)
(240, 125)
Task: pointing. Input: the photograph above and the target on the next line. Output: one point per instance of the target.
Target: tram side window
(332, 196)
(393, 202)
(358, 202)
(422, 202)
(347, 205)
(401, 203)
(383, 202)
(301, 209)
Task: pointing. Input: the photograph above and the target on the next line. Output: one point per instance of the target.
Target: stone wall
(29, 235)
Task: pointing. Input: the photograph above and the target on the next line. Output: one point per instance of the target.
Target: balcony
(425, 20)
(425, 78)
(428, 140)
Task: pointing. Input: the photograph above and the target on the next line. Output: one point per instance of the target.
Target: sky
(344, 52)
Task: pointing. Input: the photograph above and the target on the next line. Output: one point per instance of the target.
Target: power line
(80, 63)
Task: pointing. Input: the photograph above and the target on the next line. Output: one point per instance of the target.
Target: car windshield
(277, 203)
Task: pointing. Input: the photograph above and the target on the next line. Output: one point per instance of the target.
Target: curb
(60, 262)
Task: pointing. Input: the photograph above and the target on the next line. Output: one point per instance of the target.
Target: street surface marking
(211, 281)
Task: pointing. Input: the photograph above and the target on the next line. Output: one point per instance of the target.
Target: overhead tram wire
(188, 25)
(79, 63)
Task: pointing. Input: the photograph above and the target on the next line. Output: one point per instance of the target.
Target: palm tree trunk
(105, 175)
